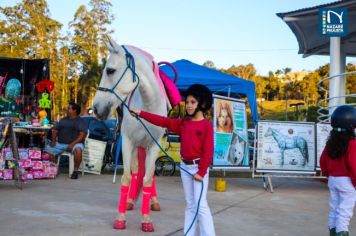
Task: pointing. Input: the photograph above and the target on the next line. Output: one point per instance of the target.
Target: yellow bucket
(220, 185)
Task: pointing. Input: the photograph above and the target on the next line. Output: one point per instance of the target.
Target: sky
(227, 32)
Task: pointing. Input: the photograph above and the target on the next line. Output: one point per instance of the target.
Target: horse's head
(117, 81)
(269, 132)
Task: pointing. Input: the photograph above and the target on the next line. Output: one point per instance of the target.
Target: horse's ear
(108, 46)
(114, 47)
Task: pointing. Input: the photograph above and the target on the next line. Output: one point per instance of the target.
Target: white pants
(342, 201)
(192, 189)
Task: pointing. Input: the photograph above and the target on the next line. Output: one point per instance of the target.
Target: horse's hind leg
(304, 151)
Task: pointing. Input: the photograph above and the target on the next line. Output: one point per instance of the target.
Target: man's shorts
(61, 147)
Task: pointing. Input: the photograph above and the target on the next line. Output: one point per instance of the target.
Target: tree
(89, 28)
(245, 72)
(209, 64)
(310, 87)
(260, 84)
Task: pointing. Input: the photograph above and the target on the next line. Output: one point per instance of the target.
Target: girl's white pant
(342, 201)
(192, 189)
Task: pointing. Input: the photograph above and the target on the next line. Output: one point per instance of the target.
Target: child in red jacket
(197, 148)
(338, 163)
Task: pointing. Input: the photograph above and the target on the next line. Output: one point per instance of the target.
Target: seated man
(69, 135)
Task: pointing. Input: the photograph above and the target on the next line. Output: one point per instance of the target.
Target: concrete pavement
(87, 206)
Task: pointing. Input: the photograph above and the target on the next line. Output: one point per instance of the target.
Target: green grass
(276, 110)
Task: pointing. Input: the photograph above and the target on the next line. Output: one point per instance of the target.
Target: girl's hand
(135, 112)
(198, 178)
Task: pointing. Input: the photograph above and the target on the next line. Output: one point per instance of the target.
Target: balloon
(13, 88)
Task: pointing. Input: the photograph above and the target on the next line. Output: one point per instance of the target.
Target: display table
(32, 130)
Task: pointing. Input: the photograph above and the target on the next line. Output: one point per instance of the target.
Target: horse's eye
(110, 71)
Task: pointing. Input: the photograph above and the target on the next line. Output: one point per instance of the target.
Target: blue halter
(130, 64)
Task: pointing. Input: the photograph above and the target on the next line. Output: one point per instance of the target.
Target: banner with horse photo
(286, 147)
(230, 134)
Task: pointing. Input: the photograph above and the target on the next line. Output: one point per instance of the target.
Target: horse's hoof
(147, 227)
(155, 206)
(129, 206)
(119, 224)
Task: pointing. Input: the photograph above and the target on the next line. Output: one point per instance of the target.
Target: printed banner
(322, 134)
(230, 133)
(285, 146)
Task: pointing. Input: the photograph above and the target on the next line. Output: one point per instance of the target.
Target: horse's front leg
(127, 151)
(134, 183)
(282, 153)
(151, 156)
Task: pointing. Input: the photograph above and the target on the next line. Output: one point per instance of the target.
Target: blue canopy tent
(190, 73)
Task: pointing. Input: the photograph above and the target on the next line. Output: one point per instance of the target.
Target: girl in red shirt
(197, 148)
(338, 163)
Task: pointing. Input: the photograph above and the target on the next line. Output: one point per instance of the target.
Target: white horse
(284, 142)
(128, 76)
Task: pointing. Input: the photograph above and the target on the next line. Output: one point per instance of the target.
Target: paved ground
(88, 207)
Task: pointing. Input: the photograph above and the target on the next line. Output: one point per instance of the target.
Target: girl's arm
(162, 121)
(323, 167)
(208, 153)
(351, 161)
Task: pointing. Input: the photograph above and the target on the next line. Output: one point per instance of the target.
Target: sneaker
(74, 175)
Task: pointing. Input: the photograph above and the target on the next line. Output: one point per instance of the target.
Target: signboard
(322, 134)
(230, 133)
(93, 155)
(285, 146)
(333, 22)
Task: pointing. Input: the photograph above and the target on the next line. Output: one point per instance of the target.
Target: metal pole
(335, 69)
(343, 77)
(117, 154)
(286, 106)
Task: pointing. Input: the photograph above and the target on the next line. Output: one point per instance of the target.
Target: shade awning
(304, 24)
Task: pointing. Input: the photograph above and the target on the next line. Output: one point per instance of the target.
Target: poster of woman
(224, 116)
(230, 133)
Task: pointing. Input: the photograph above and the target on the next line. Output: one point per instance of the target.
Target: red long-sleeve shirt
(196, 137)
(344, 166)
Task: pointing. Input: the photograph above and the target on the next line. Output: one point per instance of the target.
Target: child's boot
(342, 233)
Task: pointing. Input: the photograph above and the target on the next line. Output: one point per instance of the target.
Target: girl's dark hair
(338, 143)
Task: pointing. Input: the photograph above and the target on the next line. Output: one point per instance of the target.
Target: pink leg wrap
(133, 186)
(154, 191)
(146, 197)
(123, 199)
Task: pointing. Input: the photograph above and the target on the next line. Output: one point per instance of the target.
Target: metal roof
(304, 24)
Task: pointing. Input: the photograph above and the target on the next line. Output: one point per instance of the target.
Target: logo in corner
(333, 22)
